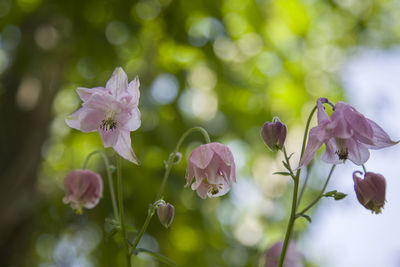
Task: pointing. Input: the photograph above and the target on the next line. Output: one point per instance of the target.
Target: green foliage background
(236, 64)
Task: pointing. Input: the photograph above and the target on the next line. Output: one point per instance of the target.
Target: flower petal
(90, 119)
(201, 156)
(133, 123)
(109, 137)
(86, 93)
(316, 138)
(124, 147)
(380, 138)
(358, 152)
(322, 115)
(223, 152)
(133, 89)
(330, 155)
(118, 82)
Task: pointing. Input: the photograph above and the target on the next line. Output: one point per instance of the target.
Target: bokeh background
(228, 66)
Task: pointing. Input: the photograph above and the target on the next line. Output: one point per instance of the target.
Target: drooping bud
(165, 212)
(274, 134)
(292, 258)
(83, 188)
(370, 191)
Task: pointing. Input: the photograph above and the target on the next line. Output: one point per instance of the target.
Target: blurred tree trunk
(24, 130)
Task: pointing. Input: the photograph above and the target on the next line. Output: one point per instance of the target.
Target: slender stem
(365, 170)
(295, 191)
(303, 188)
(169, 165)
(303, 146)
(150, 214)
(321, 194)
(291, 220)
(121, 213)
(109, 177)
(173, 154)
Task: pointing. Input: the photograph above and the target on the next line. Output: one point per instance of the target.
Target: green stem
(303, 188)
(109, 177)
(169, 165)
(121, 213)
(291, 220)
(321, 194)
(365, 170)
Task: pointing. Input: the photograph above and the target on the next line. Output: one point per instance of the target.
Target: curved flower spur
(347, 134)
(112, 111)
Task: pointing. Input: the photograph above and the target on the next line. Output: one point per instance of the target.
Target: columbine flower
(213, 167)
(165, 212)
(274, 134)
(83, 188)
(112, 111)
(347, 134)
(292, 257)
(370, 191)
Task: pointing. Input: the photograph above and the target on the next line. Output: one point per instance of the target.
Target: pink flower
(112, 111)
(213, 167)
(83, 188)
(347, 134)
(370, 191)
(292, 257)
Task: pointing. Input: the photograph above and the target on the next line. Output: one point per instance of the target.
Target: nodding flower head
(370, 191)
(213, 167)
(274, 134)
(83, 188)
(165, 212)
(347, 134)
(112, 111)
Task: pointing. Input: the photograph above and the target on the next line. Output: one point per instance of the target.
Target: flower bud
(165, 212)
(370, 191)
(83, 188)
(274, 134)
(292, 257)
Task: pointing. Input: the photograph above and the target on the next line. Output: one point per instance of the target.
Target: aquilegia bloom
(347, 134)
(213, 167)
(112, 111)
(292, 257)
(83, 188)
(370, 191)
(274, 134)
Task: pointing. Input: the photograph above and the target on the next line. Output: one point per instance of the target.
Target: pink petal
(90, 119)
(322, 115)
(118, 82)
(86, 93)
(74, 121)
(133, 89)
(133, 122)
(358, 152)
(339, 126)
(100, 102)
(110, 137)
(201, 156)
(357, 122)
(330, 155)
(316, 137)
(124, 147)
(202, 191)
(223, 152)
(380, 138)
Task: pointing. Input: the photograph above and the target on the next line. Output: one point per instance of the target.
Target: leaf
(111, 226)
(305, 216)
(286, 165)
(291, 154)
(335, 194)
(283, 173)
(156, 255)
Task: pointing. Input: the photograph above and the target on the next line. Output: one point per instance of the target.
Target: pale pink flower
(292, 258)
(112, 111)
(83, 188)
(347, 134)
(213, 167)
(370, 191)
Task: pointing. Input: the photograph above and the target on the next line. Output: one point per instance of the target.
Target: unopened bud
(370, 191)
(274, 134)
(165, 212)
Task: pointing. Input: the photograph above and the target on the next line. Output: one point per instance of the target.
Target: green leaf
(283, 173)
(335, 194)
(156, 255)
(305, 216)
